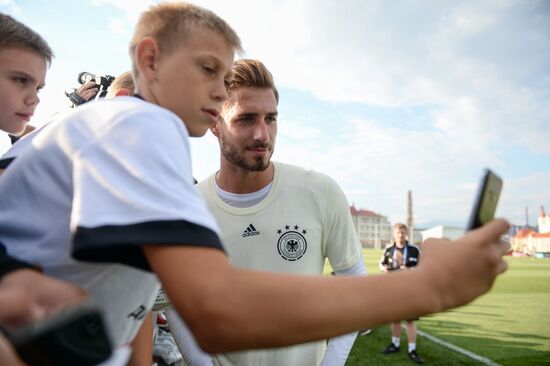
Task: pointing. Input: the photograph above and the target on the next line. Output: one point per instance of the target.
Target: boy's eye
(271, 119)
(21, 80)
(208, 69)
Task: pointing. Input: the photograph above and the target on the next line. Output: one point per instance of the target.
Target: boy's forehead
(25, 61)
(210, 44)
(21, 56)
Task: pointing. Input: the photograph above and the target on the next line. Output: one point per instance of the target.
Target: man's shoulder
(305, 177)
(388, 247)
(413, 248)
(204, 184)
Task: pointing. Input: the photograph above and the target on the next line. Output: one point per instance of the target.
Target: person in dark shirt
(397, 256)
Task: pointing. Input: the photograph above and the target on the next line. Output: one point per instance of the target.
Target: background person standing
(401, 255)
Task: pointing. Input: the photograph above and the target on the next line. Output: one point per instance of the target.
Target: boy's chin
(197, 131)
(15, 129)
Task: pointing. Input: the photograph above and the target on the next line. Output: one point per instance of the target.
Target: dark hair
(14, 34)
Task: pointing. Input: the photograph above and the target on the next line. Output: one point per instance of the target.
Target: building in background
(374, 230)
(443, 232)
(531, 242)
(543, 221)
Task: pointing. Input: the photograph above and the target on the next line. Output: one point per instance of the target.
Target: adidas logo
(250, 231)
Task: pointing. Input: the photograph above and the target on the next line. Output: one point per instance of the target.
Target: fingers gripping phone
(486, 200)
(76, 336)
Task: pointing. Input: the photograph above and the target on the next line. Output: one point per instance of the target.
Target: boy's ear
(147, 57)
(123, 92)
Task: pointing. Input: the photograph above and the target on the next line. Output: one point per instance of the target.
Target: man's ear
(123, 92)
(147, 58)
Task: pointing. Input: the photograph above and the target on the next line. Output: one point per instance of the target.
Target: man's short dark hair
(252, 74)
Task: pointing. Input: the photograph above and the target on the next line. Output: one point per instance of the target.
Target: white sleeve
(358, 269)
(131, 189)
(338, 348)
(340, 245)
(192, 354)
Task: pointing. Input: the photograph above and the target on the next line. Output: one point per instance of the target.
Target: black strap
(9, 264)
(5, 162)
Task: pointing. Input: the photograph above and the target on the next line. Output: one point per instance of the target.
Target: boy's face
(191, 81)
(22, 75)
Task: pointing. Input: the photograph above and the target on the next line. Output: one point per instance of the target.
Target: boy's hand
(27, 295)
(466, 268)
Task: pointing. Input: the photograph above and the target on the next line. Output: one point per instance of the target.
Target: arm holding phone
(27, 296)
(38, 296)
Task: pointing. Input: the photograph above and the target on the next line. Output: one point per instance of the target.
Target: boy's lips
(25, 116)
(212, 114)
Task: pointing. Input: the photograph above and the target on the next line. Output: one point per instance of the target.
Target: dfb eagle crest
(292, 244)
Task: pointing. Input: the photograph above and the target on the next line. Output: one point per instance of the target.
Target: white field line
(472, 355)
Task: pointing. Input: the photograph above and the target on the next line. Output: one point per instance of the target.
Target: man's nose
(261, 131)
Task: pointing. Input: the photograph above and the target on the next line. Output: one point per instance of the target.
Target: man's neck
(400, 245)
(238, 180)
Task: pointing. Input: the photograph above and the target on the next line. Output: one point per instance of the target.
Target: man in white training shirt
(273, 216)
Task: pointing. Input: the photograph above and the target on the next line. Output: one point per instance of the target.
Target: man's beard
(259, 164)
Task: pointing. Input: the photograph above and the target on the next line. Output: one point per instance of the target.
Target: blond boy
(117, 183)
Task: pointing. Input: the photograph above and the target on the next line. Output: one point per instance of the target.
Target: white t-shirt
(304, 219)
(94, 186)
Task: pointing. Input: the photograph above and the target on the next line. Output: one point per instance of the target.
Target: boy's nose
(32, 100)
(220, 92)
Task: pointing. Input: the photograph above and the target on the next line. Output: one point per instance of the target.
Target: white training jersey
(91, 188)
(304, 219)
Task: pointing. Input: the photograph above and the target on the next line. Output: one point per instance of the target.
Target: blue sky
(385, 97)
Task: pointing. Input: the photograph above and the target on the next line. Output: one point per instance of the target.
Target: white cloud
(478, 70)
(11, 5)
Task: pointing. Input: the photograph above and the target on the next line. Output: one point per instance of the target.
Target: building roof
(524, 233)
(360, 212)
(540, 235)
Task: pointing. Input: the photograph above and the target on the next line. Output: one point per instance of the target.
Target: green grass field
(510, 325)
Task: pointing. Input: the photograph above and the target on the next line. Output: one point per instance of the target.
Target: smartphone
(76, 336)
(486, 200)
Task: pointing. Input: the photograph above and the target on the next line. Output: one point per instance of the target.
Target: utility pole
(410, 222)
